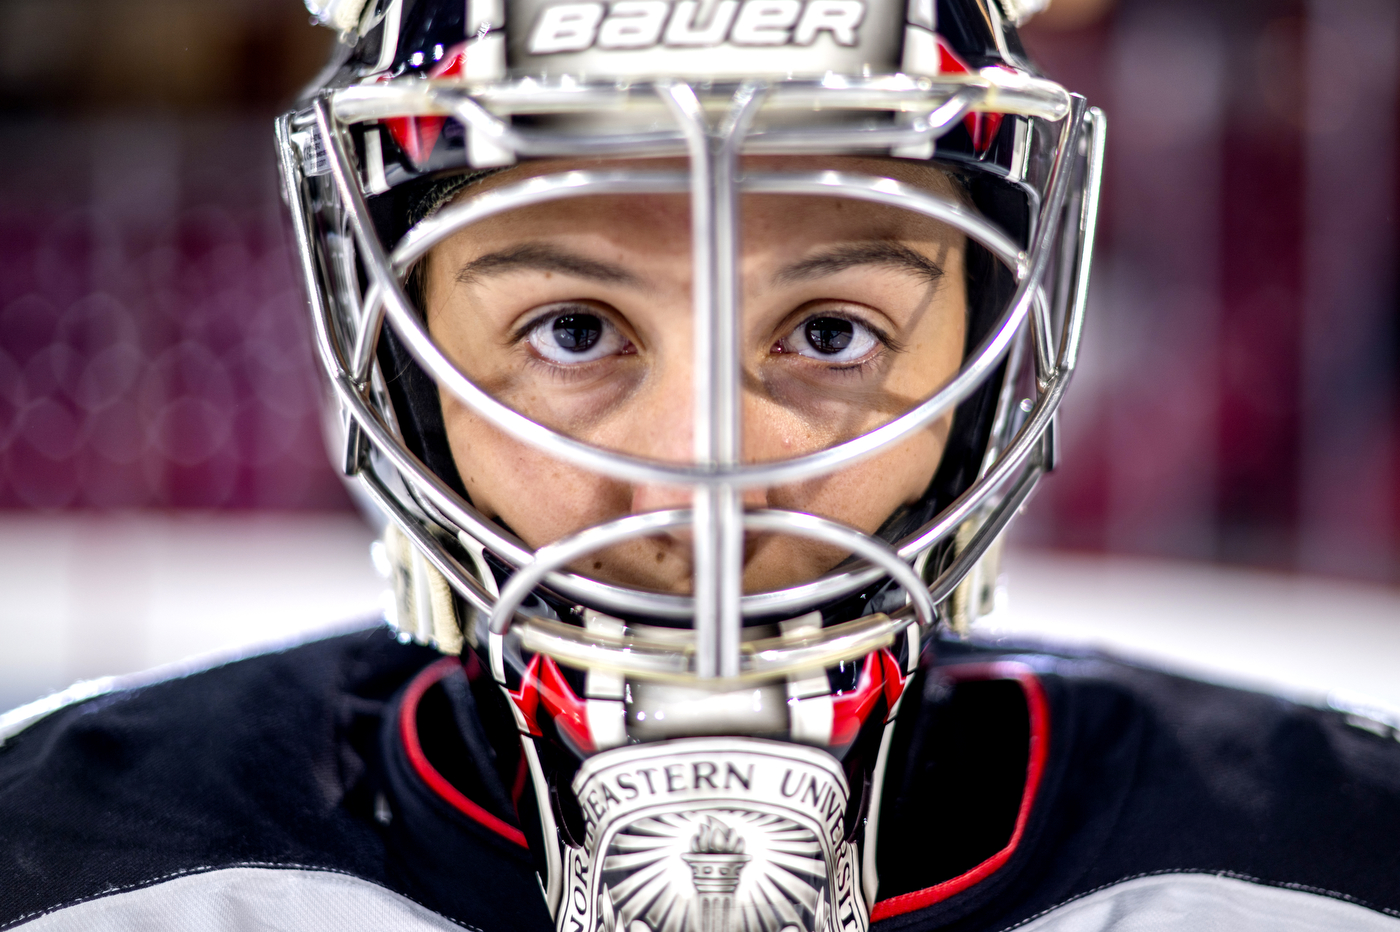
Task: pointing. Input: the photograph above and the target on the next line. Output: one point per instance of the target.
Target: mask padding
(413, 392)
(419, 409)
(990, 287)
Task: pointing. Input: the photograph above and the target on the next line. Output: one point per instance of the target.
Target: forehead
(919, 174)
(666, 216)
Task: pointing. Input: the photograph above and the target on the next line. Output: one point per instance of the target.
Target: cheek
(862, 497)
(865, 495)
(538, 497)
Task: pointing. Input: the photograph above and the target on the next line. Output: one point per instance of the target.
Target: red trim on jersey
(1038, 712)
(408, 728)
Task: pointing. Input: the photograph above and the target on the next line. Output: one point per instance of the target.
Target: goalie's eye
(575, 335)
(831, 339)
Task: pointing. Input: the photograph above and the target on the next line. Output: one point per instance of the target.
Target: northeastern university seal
(712, 835)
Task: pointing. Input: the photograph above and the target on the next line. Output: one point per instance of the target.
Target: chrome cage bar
(717, 519)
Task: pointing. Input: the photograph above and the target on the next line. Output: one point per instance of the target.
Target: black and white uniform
(325, 787)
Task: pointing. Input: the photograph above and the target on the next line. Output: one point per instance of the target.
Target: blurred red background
(1238, 398)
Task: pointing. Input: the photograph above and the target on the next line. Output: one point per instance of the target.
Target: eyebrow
(858, 254)
(538, 257)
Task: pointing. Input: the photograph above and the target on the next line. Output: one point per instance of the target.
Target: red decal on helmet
(851, 709)
(544, 686)
(416, 136)
(982, 127)
(895, 680)
(453, 60)
(948, 60)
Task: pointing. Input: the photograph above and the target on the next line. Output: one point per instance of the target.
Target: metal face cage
(356, 284)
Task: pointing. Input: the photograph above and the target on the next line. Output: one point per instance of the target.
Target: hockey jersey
(326, 787)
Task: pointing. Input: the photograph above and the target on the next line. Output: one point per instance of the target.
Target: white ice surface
(83, 596)
(1304, 637)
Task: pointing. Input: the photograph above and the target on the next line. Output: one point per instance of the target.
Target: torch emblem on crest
(716, 857)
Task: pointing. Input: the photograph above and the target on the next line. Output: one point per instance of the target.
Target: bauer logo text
(644, 24)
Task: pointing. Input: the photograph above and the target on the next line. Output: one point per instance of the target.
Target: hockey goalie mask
(705, 744)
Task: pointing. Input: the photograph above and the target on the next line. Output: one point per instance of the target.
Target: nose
(664, 430)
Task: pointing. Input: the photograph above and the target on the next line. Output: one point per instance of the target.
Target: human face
(577, 314)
